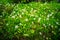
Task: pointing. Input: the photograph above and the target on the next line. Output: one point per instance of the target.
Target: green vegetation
(32, 21)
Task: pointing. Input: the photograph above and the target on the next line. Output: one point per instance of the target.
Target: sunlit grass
(32, 19)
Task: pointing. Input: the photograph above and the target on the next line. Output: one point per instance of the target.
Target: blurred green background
(29, 19)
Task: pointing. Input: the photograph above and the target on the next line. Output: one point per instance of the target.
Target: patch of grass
(38, 21)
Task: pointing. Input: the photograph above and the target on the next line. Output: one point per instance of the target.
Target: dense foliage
(32, 21)
(26, 1)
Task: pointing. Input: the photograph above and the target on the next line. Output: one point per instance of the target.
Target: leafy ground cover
(33, 21)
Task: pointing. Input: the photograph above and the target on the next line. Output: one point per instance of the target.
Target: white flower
(24, 9)
(45, 3)
(20, 16)
(57, 23)
(16, 26)
(20, 23)
(47, 38)
(48, 15)
(52, 26)
(35, 11)
(22, 13)
(43, 36)
(32, 22)
(40, 33)
(39, 19)
(1, 16)
(53, 32)
(7, 24)
(26, 19)
(13, 12)
(13, 16)
(52, 13)
(47, 19)
(31, 15)
(44, 25)
(26, 34)
(49, 24)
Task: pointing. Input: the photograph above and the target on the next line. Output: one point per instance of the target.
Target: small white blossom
(26, 19)
(16, 26)
(48, 15)
(57, 23)
(53, 32)
(13, 12)
(22, 13)
(35, 11)
(7, 24)
(20, 16)
(52, 13)
(49, 24)
(47, 19)
(32, 22)
(43, 36)
(24, 9)
(20, 23)
(31, 15)
(45, 3)
(47, 38)
(44, 25)
(39, 19)
(13, 16)
(26, 34)
(1, 16)
(52, 26)
(40, 33)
